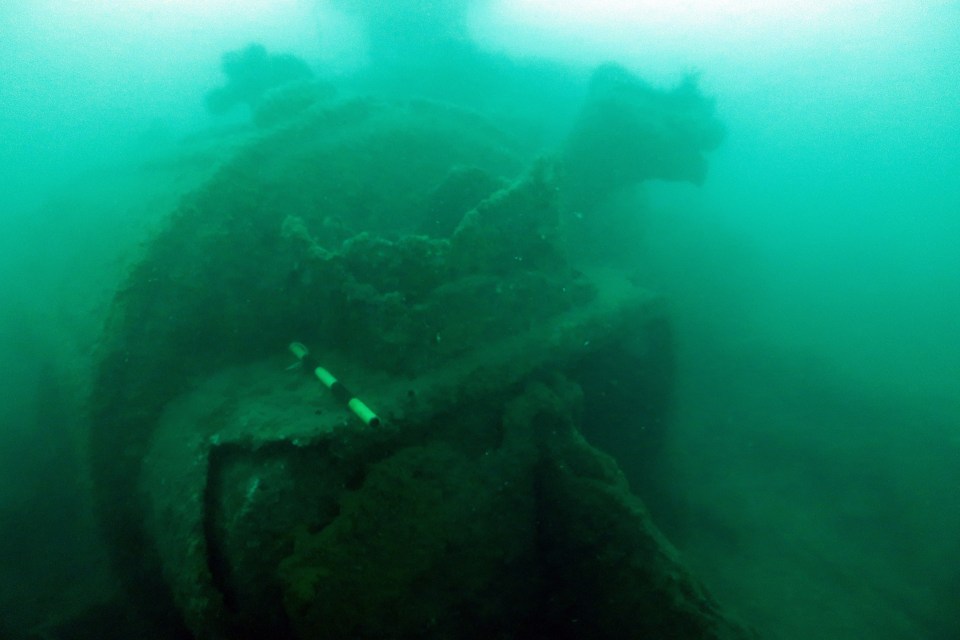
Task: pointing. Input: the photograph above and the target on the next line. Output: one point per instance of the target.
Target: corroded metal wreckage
(408, 246)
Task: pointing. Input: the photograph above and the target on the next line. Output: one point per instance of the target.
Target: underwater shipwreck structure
(409, 251)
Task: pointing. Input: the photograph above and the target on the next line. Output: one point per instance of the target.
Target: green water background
(814, 280)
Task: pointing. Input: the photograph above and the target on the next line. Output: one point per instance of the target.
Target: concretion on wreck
(406, 244)
(277, 245)
(462, 516)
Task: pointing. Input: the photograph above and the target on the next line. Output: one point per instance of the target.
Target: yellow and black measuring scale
(337, 388)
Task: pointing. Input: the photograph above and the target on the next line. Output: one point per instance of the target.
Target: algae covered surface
(435, 262)
(538, 538)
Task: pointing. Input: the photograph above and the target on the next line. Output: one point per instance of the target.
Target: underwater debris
(422, 255)
(251, 72)
(629, 132)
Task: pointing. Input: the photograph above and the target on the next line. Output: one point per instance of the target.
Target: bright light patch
(685, 31)
(678, 14)
(716, 16)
